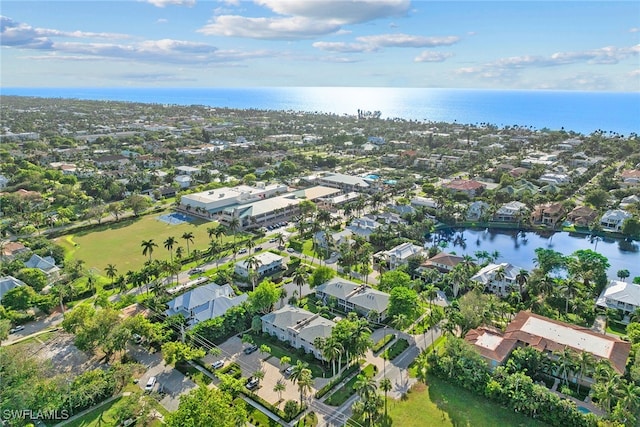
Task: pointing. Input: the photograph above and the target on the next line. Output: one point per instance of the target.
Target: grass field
(119, 244)
(443, 404)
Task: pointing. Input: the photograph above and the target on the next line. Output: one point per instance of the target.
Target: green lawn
(346, 391)
(396, 349)
(443, 404)
(119, 244)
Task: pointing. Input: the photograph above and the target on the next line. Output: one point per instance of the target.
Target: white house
(363, 227)
(298, 327)
(614, 218)
(620, 296)
(401, 254)
(7, 283)
(477, 209)
(629, 201)
(184, 181)
(268, 263)
(333, 240)
(351, 296)
(3, 181)
(489, 276)
(47, 265)
(510, 212)
(205, 302)
(186, 170)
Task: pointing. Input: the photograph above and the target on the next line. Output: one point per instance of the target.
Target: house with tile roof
(582, 216)
(548, 336)
(205, 302)
(298, 327)
(351, 296)
(548, 214)
(465, 186)
(630, 178)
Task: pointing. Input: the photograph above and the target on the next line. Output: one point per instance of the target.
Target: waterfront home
(613, 219)
(629, 201)
(298, 327)
(621, 296)
(400, 255)
(547, 336)
(499, 279)
(477, 210)
(548, 214)
(364, 226)
(582, 216)
(205, 302)
(350, 296)
(464, 186)
(511, 212)
(268, 263)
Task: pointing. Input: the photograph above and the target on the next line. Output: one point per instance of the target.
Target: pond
(517, 247)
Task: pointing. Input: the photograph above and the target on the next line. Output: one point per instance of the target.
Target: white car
(150, 384)
(16, 329)
(217, 364)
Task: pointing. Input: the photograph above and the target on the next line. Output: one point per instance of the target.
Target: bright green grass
(346, 391)
(119, 244)
(443, 404)
(396, 349)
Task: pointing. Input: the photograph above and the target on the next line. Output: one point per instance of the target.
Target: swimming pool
(175, 218)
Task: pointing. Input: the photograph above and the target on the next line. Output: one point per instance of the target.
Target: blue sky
(573, 45)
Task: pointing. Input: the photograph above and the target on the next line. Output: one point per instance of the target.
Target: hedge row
(331, 384)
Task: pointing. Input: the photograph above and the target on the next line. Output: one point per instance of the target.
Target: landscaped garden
(280, 349)
(396, 349)
(346, 391)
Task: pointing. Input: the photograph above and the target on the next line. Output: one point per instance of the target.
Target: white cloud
(164, 3)
(634, 73)
(343, 47)
(297, 19)
(268, 28)
(430, 56)
(407, 40)
(162, 21)
(635, 30)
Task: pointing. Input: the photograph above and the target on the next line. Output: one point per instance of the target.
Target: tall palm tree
(214, 251)
(585, 363)
(385, 386)
(188, 237)
(300, 277)
(251, 244)
(234, 225)
(280, 239)
(211, 232)
(279, 388)
(565, 363)
(147, 247)
(179, 252)
(111, 272)
(169, 243)
(365, 386)
(298, 371)
(521, 279)
(629, 395)
(253, 264)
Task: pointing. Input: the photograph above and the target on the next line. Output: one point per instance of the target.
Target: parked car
(16, 329)
(242, 251)
(258, 248)
(217, 364)
(273, 240)
(250, 349)
(150, 384)
(288, 371)
(252, 383)
(196, 270)
(290, 250)
(136, 338)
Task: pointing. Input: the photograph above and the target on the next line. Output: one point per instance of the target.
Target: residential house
(350, 296)
(621, 296)
(548, 214)
(4, 181)
(547, 336)
(511, 212)
(186, 170)
(47, 265)
(465, 186)
(364, 226)
(555, 178)
(427, 202)
(582, 216)
(630, 178)
(477, 210)
(629, 201)
(499, 279)
(443, 262)
(184, 181)
(332, 240)
(401, 254)
(7, 283)
(205, 302)
(613, 219)
(116, 160)
(10, 250)
(298, 327)
(268, 263)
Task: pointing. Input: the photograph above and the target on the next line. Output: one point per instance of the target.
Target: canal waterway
(517, 247)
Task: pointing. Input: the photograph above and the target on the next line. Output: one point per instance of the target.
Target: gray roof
(294, 317)
(287, 316)
(7, 283)
(627, 293)
(360, 295)
(46, 264)
(340, 178)
(205, 302)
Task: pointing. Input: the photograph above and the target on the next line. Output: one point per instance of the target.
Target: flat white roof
(599, 346)
(489, 341)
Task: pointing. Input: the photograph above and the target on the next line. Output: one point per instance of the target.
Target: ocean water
(582, 112)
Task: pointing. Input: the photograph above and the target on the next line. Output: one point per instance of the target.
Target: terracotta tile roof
(464, 185)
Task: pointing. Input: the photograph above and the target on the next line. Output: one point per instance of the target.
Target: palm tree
(300, 278)
(168, 245)
(214, 251)
(188, 237)
(211, 232)
(400, 321)
(253, 264)
(585, 363)
(279, 388)
(629, 395)
(385, 385)
(280, 239)
(234, 225)
(251, 244)
(179, 252)
(301, 373)
(111, 272)
(521, 279)
(565, 363)
(147, 247)
(365, 386)
(332, 350)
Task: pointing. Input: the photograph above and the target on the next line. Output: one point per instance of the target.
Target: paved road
(51, 321)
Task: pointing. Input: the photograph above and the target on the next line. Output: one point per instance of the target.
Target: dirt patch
(418, 387)
(63, 355)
